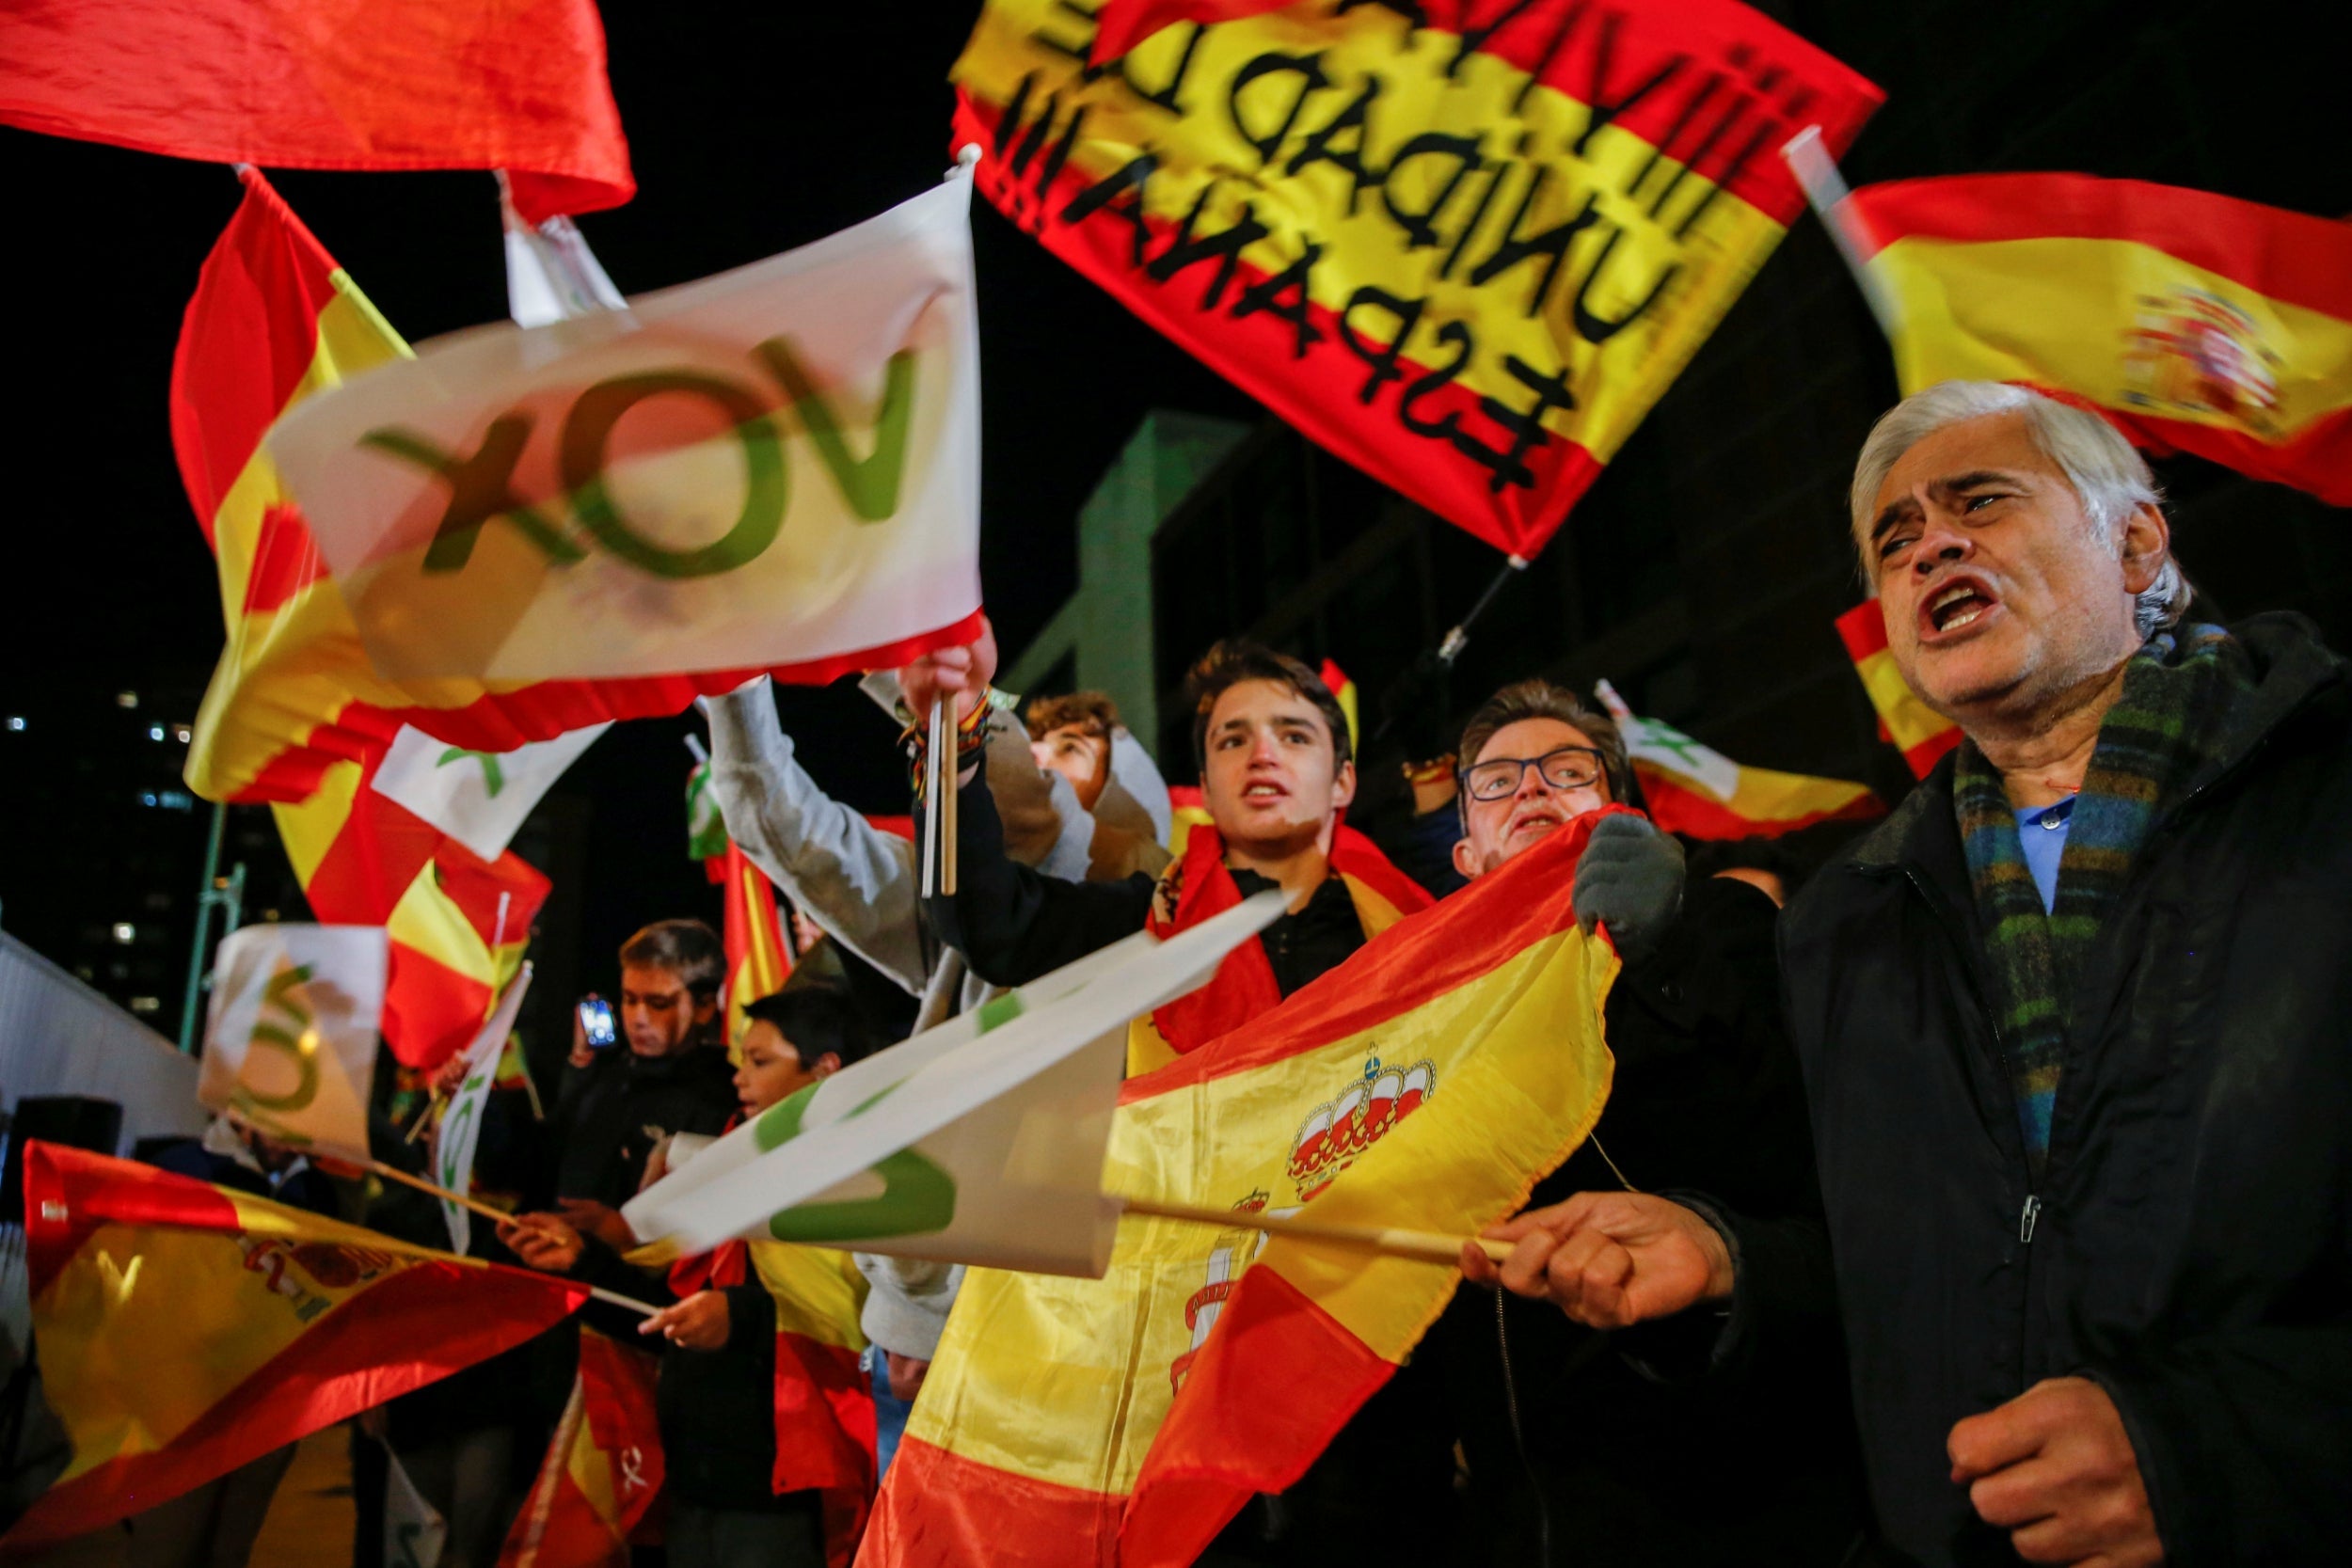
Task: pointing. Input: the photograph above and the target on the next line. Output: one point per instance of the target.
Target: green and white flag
(775, 466)
(289, 1041)
(480, 799)
(979, 1141)
(453, 1142)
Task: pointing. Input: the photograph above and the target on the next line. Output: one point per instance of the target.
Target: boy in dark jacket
(717, 1401)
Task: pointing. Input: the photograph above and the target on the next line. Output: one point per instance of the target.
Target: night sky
(752, 130)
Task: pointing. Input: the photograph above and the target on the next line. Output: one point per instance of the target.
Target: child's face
(772, 1069)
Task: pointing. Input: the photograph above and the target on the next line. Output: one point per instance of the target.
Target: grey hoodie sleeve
(855, 880)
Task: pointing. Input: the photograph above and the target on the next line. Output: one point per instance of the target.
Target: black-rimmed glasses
(1498, 778)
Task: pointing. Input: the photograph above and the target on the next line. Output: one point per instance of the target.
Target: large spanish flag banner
(2195, 321)
(518, 85)
(1465, 252)
(1696, 790)
(1914, 729)
(1428, 1083)
(603, 1468)
(185, 1329)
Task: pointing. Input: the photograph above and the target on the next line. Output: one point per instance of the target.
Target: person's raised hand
(698, 1323)
(962, 673)
(1608, 1260)
(542, 1242)
(1629, 877)
(600, 1220)
(2055, 1467)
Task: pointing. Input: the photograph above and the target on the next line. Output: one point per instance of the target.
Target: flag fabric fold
(1907, 723)
(2193, 321)
(517, 84)
(1698, 792)
(603, 1467)
(1464, 246)
(1428, 1083)
(185, 1329)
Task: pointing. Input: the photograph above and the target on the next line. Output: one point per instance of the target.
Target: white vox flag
(776, 465)
(979, 1142)
(479, 798)
(551, 275)
(290, 1043)
(1659, 743)
(461, 1121)
(414, 1531)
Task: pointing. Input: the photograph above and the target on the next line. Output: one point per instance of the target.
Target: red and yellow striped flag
(1914, 729)
(758, 961)
(186, 1329)
(603, 1468)
(2194, 321)
(1427, 1084)
(1697, 791)
(274, 320)
(1465, 248)
(825, 1425)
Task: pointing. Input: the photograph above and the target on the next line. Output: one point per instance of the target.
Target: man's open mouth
(1957, 605)
(1262, 791)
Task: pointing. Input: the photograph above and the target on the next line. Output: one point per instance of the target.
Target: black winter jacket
(1567, 1442)
(2190, 1244)
(610, 1113)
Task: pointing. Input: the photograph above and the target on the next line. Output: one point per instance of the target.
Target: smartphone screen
(595, 1020)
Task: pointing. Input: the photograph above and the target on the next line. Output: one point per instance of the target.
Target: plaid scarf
(2170, 720)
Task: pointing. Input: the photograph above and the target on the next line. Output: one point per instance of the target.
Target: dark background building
(1701, 575)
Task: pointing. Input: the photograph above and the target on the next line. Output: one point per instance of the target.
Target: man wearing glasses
(1562, 1429)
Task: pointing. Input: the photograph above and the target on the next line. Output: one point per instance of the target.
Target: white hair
(2109, 475)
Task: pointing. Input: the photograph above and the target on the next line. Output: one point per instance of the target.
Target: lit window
(16, 721)
(146, 1003)
(182, 733)
(146, 797)
(126, 698)
(155, 732)
(176, 799)
(125, 932)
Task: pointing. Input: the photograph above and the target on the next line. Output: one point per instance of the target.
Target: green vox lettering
(870, 485)
(284, 1036)
(917, 1193)
(581, 459)
(480, 491)
(482, 486)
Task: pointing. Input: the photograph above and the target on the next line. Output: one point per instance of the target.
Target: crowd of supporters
(1986, 1200)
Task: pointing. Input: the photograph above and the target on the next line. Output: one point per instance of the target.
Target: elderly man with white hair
(2076, 1030)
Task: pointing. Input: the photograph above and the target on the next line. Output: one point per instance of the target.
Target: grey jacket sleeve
(906, 1303)
(855, 880)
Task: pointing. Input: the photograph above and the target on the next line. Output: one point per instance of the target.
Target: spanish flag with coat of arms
(184, 1329)
(2193, 321)
(1426, 1083)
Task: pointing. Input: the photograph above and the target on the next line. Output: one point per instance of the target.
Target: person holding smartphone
(664, 1072)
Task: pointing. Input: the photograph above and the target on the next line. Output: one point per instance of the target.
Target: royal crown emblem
(1337, 1133)
(2194, 351)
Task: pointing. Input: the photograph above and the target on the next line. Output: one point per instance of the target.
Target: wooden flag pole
(1427, 1246)
(394, 1173)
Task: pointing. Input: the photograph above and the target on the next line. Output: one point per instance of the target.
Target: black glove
(1629, 875)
